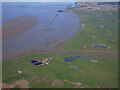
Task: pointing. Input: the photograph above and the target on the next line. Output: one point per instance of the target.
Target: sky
(59, 0)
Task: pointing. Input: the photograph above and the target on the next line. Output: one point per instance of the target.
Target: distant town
(96, 6)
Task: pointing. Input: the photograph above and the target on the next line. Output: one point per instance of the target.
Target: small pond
(99, 46)
(85, 58)
(71, 58)
(38, 63)
(34, 61)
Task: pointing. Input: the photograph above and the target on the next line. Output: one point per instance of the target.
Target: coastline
(76, 32)
(101, 67)
(30, 51)
(59, 46)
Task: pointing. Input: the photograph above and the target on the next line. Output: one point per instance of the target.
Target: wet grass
(89, 73)
(101, 27)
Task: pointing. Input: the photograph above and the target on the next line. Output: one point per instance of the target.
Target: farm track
(91, 52)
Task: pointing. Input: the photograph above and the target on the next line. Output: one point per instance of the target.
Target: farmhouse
(78, 84)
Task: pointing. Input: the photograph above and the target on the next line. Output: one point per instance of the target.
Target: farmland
(90, 73)
(99, 28)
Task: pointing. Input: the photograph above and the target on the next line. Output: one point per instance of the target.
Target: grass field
(101, 27)
(90, 73)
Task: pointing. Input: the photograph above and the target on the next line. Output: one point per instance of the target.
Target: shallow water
(100, 46)
(71, 58)
(52, 27)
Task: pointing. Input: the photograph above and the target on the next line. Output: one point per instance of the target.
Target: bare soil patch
(57, 83)
(22, 83)
(4, 85)
(19, 83)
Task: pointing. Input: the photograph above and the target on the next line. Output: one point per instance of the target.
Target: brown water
(48, 27)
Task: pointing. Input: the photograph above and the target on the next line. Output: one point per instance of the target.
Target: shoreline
(34, 51)
(19, 71)
(59, 47)
(82, 26)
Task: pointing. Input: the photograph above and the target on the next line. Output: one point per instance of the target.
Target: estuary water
(30, 27)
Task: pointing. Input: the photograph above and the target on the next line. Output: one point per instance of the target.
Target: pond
(71, 58)
(99, 46)
(34, 61)
(85, 58)
(38, 63)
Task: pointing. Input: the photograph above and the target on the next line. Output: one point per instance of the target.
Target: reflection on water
(52, 27)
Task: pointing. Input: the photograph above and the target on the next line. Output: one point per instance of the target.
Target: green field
(89, 73)
(101, 27)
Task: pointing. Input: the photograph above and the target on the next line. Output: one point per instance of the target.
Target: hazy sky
(59, 0)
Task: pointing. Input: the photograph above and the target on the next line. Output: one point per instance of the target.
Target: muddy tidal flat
(16, 26)
(37, 27)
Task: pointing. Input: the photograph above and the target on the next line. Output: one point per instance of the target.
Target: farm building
(42, 61)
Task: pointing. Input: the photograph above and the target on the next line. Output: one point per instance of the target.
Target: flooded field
(36, 27)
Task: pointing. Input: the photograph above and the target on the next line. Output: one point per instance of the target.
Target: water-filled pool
(71, 58)
(38, 63)
(85, 58)
(34, 61)
(99, 46)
